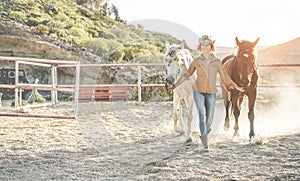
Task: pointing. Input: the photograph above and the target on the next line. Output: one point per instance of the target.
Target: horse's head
(246, 57)
(177, 61)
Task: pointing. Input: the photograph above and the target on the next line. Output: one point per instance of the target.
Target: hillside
(72, 30)
(75, 26)
(288, 53)
(285, 53)
(77, 30)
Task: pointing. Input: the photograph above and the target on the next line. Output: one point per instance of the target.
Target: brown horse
(242, 69)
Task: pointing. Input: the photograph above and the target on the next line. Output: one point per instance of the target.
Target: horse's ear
(237, 41)
(255, 42)
(168, 44)
(182, 44)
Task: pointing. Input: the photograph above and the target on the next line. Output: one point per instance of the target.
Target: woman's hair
(212, 47)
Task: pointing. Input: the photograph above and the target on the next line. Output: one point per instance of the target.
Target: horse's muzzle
(170, 80)
(168, 83)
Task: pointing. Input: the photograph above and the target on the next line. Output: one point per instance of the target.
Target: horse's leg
(189, 104)
(176, 111)
(182, 113)
(237, 101)
(225, 95)
(251, 102)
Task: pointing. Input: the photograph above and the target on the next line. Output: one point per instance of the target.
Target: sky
(275, 22)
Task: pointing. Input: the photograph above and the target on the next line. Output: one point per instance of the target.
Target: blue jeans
(205, 104)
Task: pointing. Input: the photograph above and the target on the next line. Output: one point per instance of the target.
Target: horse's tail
(231, 105)
(227, 64)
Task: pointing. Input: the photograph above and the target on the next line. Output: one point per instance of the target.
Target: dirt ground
(136, 141)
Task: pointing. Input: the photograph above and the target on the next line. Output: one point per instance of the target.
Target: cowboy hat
(206, 39)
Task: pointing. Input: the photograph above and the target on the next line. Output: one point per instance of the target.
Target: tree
(94, 5)
(115, 12)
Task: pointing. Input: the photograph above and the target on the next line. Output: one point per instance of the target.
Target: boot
(188, 140)
(204, 142)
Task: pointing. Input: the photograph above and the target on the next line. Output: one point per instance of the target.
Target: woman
(206, 66)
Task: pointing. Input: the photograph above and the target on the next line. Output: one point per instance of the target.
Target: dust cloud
(283, 116)
(276, 113)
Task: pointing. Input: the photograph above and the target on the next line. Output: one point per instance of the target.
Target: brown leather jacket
(206, 71)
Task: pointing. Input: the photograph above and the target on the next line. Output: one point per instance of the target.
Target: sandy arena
(136, 141)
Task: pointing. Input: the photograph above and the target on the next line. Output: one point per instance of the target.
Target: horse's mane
(184, 53)
(227, 58)
(189, 58)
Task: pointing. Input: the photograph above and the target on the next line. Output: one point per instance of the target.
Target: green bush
(35, 13)
(77, 32)
(72, 39)
(33, 21)
(18, 16)
(62, 32)
(43, 29)
(113, 45)
(97, 46)
(53, 36)
(28, 2)
(129, 55)
(121, 34)
(139, 31)
(61, 17)
(85, 12)
(108, 35)
(103, 47)
(93, 33)
(116, 55)
(55, 25)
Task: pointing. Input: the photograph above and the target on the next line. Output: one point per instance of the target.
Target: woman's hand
(171, 88)
(236, 87)
(240, 89)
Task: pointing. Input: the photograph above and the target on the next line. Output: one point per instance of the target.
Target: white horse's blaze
(184, 107)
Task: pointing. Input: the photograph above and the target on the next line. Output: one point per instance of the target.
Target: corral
(134, 140)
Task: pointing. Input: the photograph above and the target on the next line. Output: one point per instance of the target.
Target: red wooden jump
(103, 93)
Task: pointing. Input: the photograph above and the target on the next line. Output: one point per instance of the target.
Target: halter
(235, 65)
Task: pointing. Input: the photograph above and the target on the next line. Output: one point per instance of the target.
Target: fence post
(76, 94)
(139, 84)
(54, 84)
(17, 83)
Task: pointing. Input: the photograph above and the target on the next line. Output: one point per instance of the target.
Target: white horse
(178, 60)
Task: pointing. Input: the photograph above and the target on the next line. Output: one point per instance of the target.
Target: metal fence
(54, 64)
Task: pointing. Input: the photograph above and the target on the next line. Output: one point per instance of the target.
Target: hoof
(189, 140)
(178, 130)
(251, 136)
(236, 134)
(226, 124)
(226, 127)
(236, 137)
